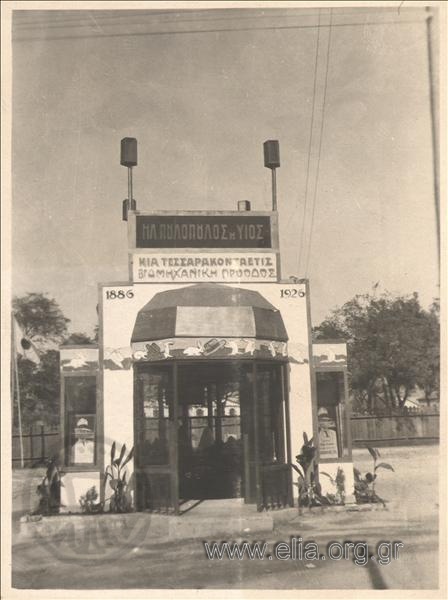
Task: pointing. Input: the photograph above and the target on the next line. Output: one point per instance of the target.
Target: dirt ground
(411, 518)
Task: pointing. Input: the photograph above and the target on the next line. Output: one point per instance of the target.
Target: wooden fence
(39, 444)
(411, 428)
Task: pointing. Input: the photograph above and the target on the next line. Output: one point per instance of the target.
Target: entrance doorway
(212, 398)
(209, 429)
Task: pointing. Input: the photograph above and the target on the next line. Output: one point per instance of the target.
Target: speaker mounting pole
(129, 159)
(272, 161)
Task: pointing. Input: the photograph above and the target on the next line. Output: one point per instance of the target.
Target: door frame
(171, 468)
(250, 412)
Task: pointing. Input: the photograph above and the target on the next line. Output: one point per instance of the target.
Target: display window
(332, 415)
(80, 420)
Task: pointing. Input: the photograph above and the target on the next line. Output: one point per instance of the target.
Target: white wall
(76, 485)
(301, 414)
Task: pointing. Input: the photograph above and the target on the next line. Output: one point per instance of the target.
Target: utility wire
(204, 31)
(197, 15)
(82, 20)
(310, 141)
(320, 148)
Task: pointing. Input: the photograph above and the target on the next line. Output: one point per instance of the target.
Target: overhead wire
(310, 141)
(57, 18)
(206, 31)
(177, 17)
(319, 153)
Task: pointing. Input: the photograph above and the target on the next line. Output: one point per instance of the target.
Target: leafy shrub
(309, 487)
(88, 502)
(49, 491)
(338, 497)
(116, 475)
(365, 486)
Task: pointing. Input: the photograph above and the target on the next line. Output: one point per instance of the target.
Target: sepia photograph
(224, 299)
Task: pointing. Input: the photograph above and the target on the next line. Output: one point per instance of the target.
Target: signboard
(328, 442)
(204, 267)
(203, 231)
(83, 435)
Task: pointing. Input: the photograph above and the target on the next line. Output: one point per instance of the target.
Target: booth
(206, 367)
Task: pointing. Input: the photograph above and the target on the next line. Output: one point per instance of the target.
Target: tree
(429, 368)
(79, 338)
(40, 317)
(393, 346)
(40, 389)
(43, 322)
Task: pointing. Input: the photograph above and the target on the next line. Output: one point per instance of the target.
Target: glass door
(273, 473)
(155, 429)
(210, 441)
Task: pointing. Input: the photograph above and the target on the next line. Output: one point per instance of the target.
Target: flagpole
(16, 388)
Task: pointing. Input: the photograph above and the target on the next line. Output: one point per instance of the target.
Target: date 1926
(292, 293)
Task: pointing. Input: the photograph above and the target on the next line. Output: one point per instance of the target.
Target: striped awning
(209, 311)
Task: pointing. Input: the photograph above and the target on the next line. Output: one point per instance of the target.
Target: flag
(23, 345)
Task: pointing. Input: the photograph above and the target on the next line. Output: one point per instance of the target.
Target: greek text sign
(202, 267)
(203, 231)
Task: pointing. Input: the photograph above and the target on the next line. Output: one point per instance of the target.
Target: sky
(201, 91)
